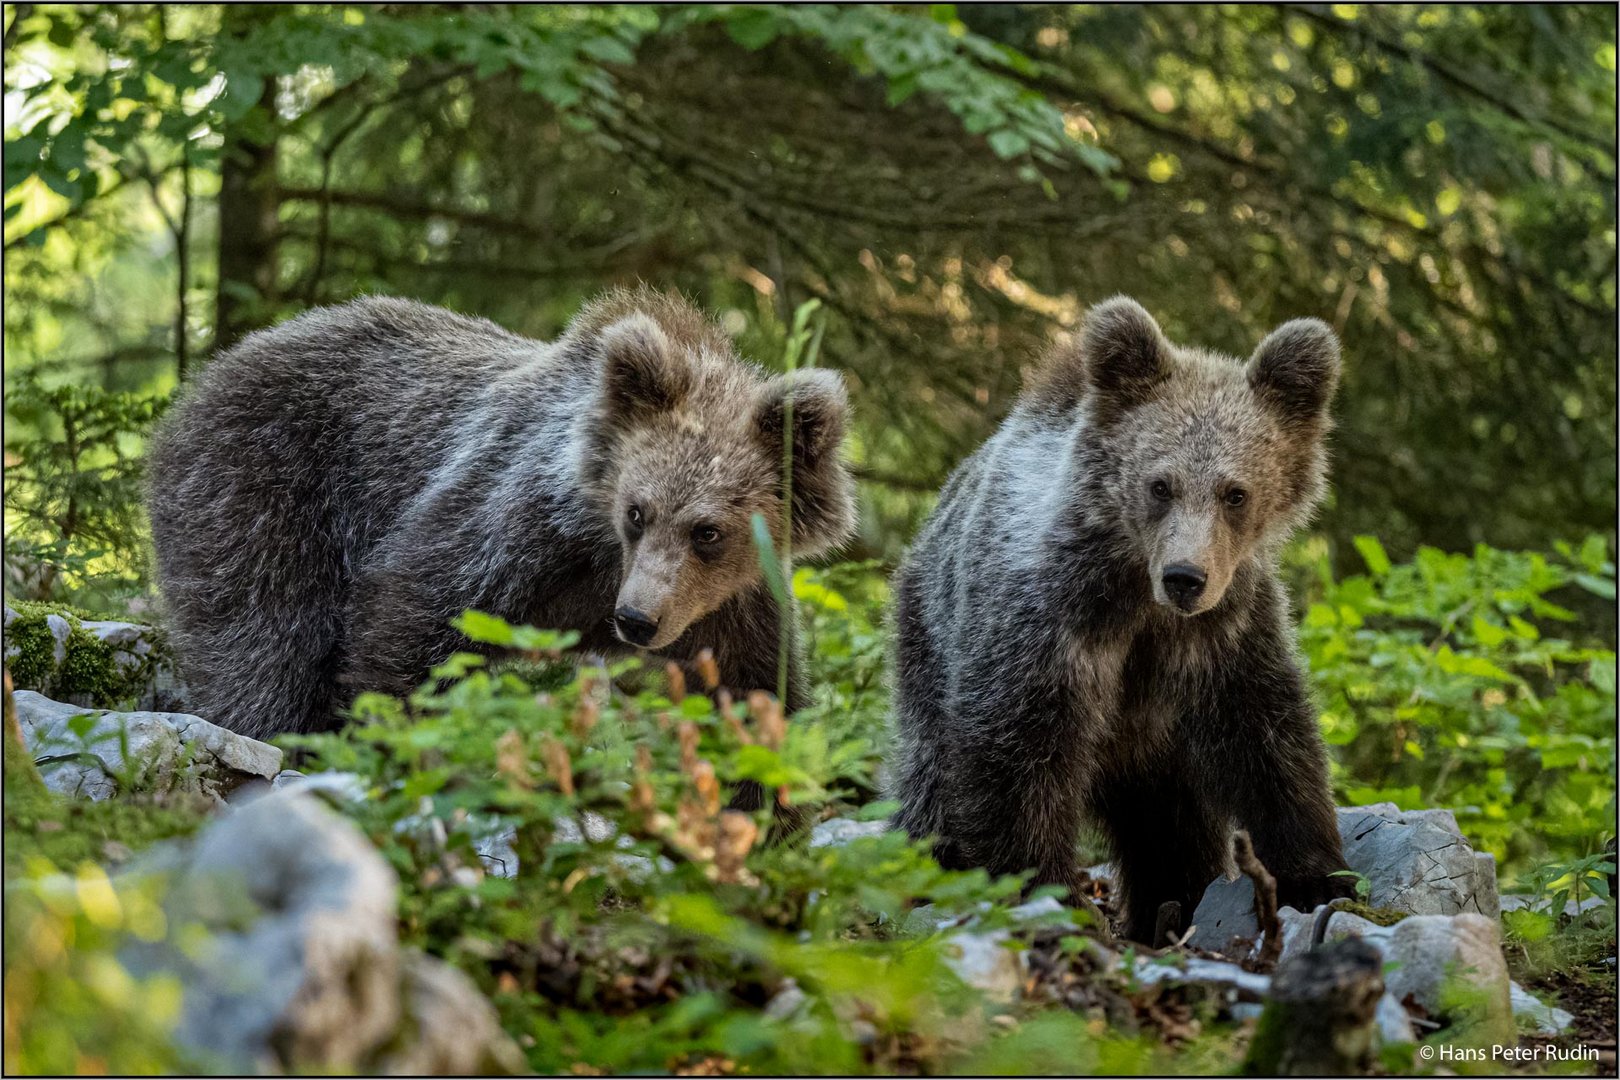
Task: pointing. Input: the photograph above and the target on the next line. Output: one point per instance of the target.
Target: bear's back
(347, 411)
(977, 567)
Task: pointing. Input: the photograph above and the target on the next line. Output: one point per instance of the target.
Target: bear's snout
(1184, 584)
(633, 626)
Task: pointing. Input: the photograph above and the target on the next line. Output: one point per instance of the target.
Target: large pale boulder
(1417, 861)
(95, 753)
(281, 929)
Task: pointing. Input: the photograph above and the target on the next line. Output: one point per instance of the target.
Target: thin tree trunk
(248, 206)
(182, 247)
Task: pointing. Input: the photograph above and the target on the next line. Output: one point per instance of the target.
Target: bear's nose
(633, 626)
(1183, 582)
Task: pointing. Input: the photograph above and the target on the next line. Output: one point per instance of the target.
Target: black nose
(1184, 582)
(633, 626)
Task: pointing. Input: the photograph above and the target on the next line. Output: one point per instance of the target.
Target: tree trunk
(1321, 1017)
(248, 205)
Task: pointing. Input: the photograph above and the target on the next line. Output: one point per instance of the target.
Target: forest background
(952, 186)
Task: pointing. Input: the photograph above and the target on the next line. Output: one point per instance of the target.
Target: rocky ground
(303, 969)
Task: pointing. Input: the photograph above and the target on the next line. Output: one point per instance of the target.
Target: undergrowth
(562, 835)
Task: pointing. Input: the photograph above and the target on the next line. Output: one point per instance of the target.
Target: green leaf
(753, 28)
(486, 629)
(1602, 587)
(608, 50)
(768, 560)
(1008, 143)
(1373, 554)
(1488, 634)
(82, 724)
(242, 92)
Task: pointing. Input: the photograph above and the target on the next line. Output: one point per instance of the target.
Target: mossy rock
(55, 650)
(1381, 916)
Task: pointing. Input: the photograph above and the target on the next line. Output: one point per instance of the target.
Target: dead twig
(1167, 926)
(1265, 897)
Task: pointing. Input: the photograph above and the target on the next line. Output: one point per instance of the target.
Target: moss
(43, 608)
(88, 671)
(1380, 916)
(40, 824)
(36, 649)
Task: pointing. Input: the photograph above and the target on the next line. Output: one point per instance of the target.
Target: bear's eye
(705, 536)
(633, 516)
(1160, 490)
(1236, 497)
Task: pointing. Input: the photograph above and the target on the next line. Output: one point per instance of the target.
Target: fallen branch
(1265, 898)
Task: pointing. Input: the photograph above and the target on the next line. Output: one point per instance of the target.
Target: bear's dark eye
(1160, 490)
(633, 516)
(1236, 497)
(705, 536)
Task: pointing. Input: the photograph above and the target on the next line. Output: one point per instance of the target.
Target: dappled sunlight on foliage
(1460, 682)
(925, 199)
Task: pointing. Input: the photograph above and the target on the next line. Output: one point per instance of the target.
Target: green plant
(1363, 886)
(1442, 684)
(71, 1007)
(1555, 885)
(635, 893)
(72, 493)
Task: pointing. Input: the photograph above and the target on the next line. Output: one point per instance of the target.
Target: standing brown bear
(333, 491)
(1090, 625)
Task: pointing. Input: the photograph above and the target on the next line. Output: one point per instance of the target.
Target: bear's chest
(1133, 694)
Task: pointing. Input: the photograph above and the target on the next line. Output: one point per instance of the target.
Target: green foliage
(72, 493)
(71, 1007)
(1557, 884)
(646, 928)
(1443, 683)
(653, 945)
(1363, 886)
(934, 54)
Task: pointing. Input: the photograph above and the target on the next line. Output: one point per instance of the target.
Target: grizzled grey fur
(1090, 625)
(333, 491)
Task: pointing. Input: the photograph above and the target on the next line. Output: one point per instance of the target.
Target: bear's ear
(1124, 354)
(640, 371)
(819, 410)
(823, 491)
(1295, 370)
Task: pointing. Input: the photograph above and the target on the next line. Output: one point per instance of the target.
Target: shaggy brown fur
(332, 492)
(1090, 624)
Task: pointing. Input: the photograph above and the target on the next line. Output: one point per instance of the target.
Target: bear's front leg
(1272, 767)
(1006, 781)
(1167, 840)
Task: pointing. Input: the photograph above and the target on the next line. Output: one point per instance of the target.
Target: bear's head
(1207, 460)
(690, 443)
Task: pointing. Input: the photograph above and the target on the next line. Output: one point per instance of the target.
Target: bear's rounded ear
(823, 502)
(1296, 369)
(819, 411)
(640, 372)
(1124, 353)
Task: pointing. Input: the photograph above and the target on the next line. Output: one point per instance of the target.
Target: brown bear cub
(333, 491)
(1090, 625)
